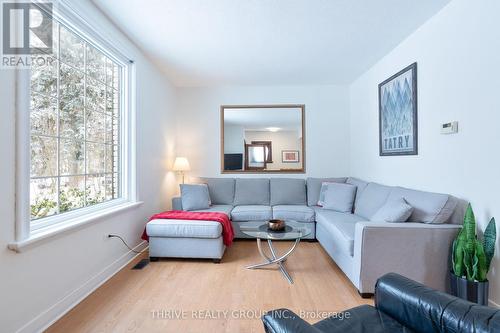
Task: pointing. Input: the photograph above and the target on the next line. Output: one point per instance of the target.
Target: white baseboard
(55, 312)
(493, 304)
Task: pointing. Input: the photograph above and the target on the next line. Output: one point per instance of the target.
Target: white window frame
(28, 232)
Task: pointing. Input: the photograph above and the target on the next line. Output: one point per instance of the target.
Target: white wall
(36, 285)
(458, 79)
(326, 117)
(234, 138)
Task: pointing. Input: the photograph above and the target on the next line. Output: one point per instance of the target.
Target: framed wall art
(290, 156)
(398, 131)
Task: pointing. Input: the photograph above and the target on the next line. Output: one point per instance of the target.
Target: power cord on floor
(125, 243)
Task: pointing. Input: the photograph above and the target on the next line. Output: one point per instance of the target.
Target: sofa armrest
(419, 251)
(286, 321)
(176, 203)
(423, 309)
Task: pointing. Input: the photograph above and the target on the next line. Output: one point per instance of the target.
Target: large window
(75, 122)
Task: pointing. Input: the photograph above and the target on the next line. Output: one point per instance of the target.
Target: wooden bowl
(276, 225)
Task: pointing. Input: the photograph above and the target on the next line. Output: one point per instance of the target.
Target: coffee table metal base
(274, 259)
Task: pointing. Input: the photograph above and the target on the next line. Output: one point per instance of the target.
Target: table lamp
(181, 164)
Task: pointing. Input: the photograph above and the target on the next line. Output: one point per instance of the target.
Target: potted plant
(471, 260)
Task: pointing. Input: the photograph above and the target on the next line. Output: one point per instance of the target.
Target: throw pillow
(194, 196)
(396, 210)
(340, 197)
(322, 191)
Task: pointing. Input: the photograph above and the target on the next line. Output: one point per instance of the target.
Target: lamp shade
(181, 164)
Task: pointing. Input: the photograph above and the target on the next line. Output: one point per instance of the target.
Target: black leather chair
(401, 305)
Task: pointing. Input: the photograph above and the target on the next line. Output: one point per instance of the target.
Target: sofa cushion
(288, 191)
(221, 190)
(394, 210)
(226, 209)
(251, 191)
(322, 192)
(339, 197)
(372, 198)
(251, 213)
(428, 207)
(299, 213)
(194, 196)
(183, 228)
(314, 188)
(360, 187)
(341, 227)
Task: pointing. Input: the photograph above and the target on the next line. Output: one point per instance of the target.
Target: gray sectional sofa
(249, 201)
(364, 249)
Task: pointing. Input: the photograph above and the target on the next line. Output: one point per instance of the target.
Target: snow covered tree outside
(75, 117)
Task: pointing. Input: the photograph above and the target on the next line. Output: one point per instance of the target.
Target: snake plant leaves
(469, 265)
(480, 265)
(458, 258)
(453, 256)
(472, 258)
(475, 268)
(470, 229)
(459, 248)
(489, 239)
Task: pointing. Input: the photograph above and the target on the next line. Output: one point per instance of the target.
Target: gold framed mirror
(263, 138)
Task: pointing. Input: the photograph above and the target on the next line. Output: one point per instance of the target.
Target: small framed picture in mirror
(290, 156)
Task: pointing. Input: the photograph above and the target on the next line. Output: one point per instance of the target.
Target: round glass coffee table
(293, 231)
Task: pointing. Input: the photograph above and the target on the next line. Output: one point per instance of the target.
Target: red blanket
(223, 219)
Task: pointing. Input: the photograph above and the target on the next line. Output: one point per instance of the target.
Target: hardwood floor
(143, 300)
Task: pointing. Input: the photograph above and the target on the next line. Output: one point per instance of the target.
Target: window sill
(43, 234)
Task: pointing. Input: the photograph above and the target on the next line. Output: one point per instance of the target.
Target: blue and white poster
(398, 113)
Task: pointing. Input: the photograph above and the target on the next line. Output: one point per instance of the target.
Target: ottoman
(185, 239)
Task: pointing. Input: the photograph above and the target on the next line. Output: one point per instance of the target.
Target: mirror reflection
(262, 138)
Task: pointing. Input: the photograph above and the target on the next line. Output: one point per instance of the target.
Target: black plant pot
(476, 292)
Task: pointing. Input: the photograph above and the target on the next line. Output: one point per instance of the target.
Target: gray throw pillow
(322, 191)
(395, 210)
(339, 197)
(194, 196)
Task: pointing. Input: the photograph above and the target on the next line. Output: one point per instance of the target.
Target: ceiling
(267, 42)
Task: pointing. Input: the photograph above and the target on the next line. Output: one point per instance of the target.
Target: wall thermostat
(449, 128)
